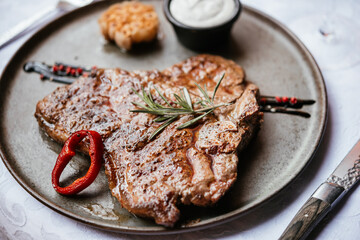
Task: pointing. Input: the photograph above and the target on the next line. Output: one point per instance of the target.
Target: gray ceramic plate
(272, 57)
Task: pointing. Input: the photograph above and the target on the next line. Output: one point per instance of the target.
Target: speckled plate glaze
(272, 57)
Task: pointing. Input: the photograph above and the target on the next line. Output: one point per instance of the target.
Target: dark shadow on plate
(229, 49)
(137, 50)
(146, 48)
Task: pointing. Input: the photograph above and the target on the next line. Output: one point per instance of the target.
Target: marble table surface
(23, 217)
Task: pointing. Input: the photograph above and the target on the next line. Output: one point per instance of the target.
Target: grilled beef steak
(195, 165)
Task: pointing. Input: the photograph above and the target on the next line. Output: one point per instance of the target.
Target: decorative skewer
(272, 109)
(281, 104)
(284, 101)
(65, 73)
(59, 72)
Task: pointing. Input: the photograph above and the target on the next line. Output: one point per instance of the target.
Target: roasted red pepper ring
(96, 153)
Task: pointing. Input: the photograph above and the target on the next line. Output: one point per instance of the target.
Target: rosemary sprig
(168, 114)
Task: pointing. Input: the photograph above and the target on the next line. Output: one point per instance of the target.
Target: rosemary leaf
(188, 98)
(148, 96)
(183, 99)
(151, 98)
(162, 126)
(137, 93)
(217, 86)
(192, 121)
(161, 119)
(180, 101)
(145, 97)
(208, 97)
(149, 111)
(211, 108)
(162, 96)
(182, 93)
(166, 111)
(204, 93)
(174, 110)
(202, 102)
(140, 105)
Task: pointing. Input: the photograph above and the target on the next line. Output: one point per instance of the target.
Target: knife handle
(306, 219)
(310, 214)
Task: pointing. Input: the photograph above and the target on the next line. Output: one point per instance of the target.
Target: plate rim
(158, 230)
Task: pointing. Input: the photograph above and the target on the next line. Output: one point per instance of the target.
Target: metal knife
(345, 176)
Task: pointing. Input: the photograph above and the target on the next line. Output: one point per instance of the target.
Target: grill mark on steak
(189, 166)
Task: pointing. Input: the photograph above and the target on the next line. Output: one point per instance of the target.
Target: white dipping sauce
(202, 13)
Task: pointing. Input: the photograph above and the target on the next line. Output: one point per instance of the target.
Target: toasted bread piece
(129, 22)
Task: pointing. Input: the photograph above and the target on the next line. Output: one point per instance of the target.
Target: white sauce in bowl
(202, 13)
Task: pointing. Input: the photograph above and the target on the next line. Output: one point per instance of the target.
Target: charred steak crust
(194, 165)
